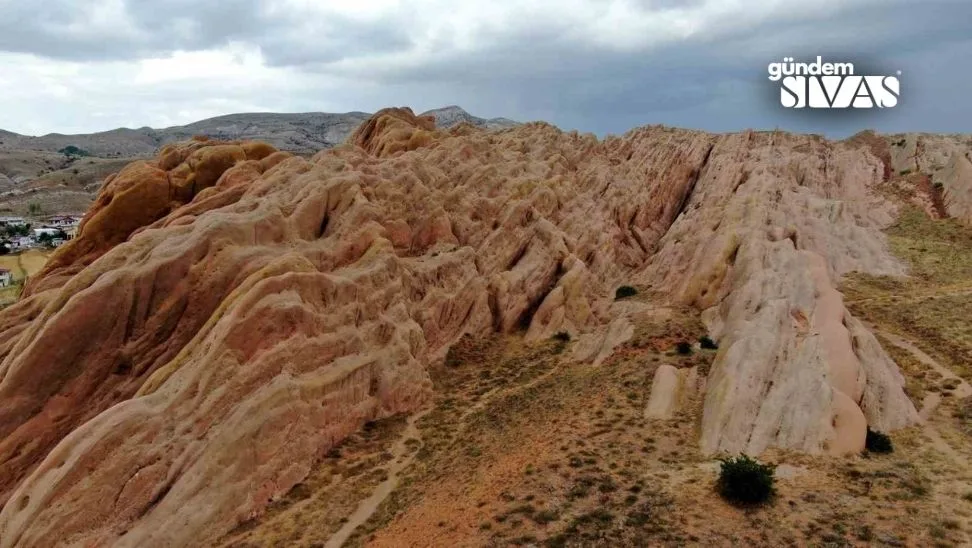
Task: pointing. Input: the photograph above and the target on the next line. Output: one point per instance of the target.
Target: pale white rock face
(762, 243)
(671, 388)
(597, 346)
(956, 181)
(947, 159)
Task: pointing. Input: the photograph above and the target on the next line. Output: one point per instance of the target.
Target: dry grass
(21, 265)
(931, 306)
(316, 508)
(12, 263)
(930, 309)
(526, 447)
(33, 260)
(564, 457)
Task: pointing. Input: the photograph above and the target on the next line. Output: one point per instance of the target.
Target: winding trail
(931, 401)
(401, 458)
(962, 390)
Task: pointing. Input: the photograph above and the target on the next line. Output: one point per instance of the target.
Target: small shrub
(743, 480)
(683, 347)
(544, 517)
(625, 291)
(562, 336)
(877, 442)
(707, 343)
(452, 357)
(72, 150)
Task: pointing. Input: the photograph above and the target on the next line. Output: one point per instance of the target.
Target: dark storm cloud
(718, 81)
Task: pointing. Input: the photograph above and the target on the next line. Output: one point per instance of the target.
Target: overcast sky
(595, 65)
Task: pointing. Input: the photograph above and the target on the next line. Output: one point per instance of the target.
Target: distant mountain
(452, 115)
(38, 170)
(300, 132)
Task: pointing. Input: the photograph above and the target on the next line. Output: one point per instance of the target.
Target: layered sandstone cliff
(229, 313)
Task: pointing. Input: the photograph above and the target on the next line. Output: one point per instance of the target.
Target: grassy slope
(526, 447)
(22, 265)
(933, 306)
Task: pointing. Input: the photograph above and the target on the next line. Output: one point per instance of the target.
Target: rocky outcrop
(452, 115)
(945, 160)
(146, 191)
(774, 221)
(671, 388)
(195, 356)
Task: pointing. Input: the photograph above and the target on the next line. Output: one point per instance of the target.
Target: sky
(602, 66)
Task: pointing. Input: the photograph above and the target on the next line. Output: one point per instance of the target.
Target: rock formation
(228, 314)
(945, 159)
(670, 389)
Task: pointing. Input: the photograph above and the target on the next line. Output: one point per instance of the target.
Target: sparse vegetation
(625, 291)
(707, 343)
(743, 480)
(73, 151)
(683, 347)
(878, 442)
(562, 336)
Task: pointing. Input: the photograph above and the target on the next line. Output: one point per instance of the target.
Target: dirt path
(962, 390)
(954, 290)
(402, 456)
(932, 400)
(488, 397)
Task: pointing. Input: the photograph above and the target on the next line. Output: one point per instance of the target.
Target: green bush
(743, 480)
(878, 442)
(72, 150)
(562, 336)
(707, 343)
(683, 347)
(625, 291)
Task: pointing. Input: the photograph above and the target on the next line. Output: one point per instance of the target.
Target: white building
(49, 230)
(6, 277)
(61, 221)
(12, 221)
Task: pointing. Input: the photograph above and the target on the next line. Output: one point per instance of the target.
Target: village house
(12, 221)
(49, 230)
(61, 221)
(6, 277)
